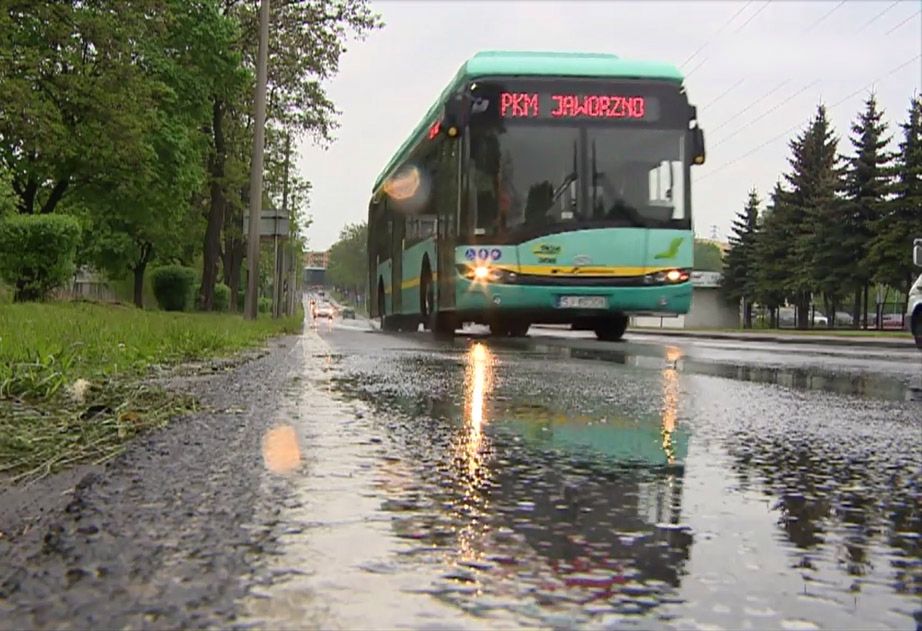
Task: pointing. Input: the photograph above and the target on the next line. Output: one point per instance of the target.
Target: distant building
(317, 260)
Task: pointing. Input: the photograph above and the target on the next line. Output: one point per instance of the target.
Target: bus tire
(443, 325)
(916, 327)
(611, 329)
(509, 328)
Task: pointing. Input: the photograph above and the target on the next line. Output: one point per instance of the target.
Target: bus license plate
(582, 302)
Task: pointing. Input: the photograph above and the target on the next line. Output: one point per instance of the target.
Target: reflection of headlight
(667, 277)
(486, 274)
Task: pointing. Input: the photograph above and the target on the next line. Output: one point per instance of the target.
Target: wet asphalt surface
(354, 479)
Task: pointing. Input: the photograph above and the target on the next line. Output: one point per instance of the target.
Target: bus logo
(496, 254)
(545, 249)
(483, 254)
(470, 254)
(582, 260)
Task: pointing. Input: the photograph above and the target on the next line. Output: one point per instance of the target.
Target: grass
(71, 376)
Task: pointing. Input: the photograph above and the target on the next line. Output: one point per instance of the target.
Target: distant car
(348, 313)
(844, 319)
(324, 310)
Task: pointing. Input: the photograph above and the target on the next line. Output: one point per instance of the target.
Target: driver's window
(666, 187)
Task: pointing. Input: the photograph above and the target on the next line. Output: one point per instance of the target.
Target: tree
(306, 42)
(7, 196)
(890, 251)
(348, 263)
(739, 277)
(771, 251)
(77, 95)
(148, 214)
(816, 256)
(707, 257)
(867, 184)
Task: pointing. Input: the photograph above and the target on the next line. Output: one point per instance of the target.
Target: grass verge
(72, 376)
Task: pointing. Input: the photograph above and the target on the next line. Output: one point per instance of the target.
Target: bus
(548, 188)
(914, 302)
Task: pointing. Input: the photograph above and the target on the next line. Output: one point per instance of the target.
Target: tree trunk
(864, 306)
(139, 285)
(803, 310)
(234, 249)
(856, 310)
(144, 256)
(217, 206)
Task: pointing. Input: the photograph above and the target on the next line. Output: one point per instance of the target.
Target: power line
(825, 15)
(725, 93)
(876, 17)
(752, 17)
(764, 114)
(716, 33)
(726, 121)
(790, 129)
(903, 22)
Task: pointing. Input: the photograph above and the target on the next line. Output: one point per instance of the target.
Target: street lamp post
(256, 168)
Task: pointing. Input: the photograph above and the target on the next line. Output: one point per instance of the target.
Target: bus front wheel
(611, 329)
(917, 327)
(509, 329)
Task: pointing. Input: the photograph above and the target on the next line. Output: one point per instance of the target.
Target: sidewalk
(776, 337)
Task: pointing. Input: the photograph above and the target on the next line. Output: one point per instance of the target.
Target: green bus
(539, 188)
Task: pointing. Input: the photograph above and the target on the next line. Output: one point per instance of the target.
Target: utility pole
(256, 167)
(280, 263)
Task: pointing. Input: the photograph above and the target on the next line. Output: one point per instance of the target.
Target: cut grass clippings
(71, 376)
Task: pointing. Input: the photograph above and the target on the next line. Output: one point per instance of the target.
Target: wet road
(557, 481)
(350, 478)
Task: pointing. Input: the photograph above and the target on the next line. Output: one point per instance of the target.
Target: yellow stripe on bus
(595, 270)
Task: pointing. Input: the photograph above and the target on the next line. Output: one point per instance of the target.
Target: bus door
(398, 237)
(449, 199)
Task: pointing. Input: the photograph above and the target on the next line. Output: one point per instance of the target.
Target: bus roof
(524, 63)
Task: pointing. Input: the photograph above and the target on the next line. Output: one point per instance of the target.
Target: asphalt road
(354, 479)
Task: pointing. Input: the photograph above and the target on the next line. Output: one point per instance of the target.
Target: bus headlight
(667, 277)
(482, 273)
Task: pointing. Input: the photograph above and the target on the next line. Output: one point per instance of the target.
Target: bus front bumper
(543, 304)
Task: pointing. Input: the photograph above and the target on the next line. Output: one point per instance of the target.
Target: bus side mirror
(698, 153)
(917, 253)
(455, 115)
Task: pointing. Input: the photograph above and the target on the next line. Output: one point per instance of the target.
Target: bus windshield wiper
(567, 181)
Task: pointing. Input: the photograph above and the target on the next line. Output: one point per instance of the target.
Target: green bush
(221, 297)
(173, 285)
(264, 305)
(37, 253)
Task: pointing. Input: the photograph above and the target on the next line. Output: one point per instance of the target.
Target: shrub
(37, 253)
(264, 305)
(173, 285)
(221, 297)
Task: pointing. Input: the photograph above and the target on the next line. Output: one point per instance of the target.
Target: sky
(756, 71)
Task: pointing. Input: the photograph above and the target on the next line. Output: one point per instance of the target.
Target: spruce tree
(890, 252)
(770, 253)
(817, 253)
(867, 184)
(739, 281)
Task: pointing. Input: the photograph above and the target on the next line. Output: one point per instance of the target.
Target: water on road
(550, 482)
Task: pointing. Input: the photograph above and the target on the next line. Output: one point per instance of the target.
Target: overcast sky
(754, 69)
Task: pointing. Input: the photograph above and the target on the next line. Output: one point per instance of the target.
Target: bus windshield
(533, 176)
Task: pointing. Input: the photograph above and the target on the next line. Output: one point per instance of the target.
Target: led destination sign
(540, 105)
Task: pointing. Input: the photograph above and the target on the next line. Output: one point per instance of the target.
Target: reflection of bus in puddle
(588, 506)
